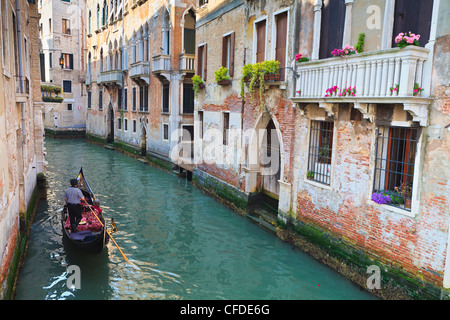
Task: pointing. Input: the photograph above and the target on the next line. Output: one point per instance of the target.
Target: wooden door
(332, 27)
(414, 16)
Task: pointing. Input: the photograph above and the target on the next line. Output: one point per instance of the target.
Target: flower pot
(224, 82)
(272, 77)
(408, 203)
(201, 85)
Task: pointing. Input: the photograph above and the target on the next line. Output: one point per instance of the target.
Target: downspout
(19, 47)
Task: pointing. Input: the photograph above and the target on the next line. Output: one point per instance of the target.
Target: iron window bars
(320, 151)
(394, 165)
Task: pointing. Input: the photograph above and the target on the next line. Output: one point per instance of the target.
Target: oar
(124, 256)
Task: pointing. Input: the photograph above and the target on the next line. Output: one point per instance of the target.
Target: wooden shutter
(231, 71)
(260, 41)
(205, 54)
(199, 60)
(280, 49)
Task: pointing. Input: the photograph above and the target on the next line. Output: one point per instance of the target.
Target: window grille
(320, 151)
(394, 165)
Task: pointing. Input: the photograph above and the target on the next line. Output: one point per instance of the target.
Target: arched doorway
(143, 139)
(110, 135)
(270, 164)
(264, 165)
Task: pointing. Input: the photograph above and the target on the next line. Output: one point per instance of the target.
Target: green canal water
(186, 244)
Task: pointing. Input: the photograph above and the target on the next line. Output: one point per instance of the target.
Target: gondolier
(73, 197)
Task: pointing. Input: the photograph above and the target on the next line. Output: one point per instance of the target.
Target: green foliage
(256, 73)
(196, 82)
(53, 99)
(360, 44)
(221, 74)
(51, 89)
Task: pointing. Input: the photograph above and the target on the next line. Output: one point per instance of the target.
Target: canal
(186, 244)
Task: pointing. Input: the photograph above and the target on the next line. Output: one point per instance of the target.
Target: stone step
(265, 217)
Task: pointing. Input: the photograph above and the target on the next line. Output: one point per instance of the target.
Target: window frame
(415, 181)
(67, 82)
(202, 61)
(314, 159)
(228, 49)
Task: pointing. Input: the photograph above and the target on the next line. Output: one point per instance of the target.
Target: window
(50, 25)
(201, 63)
(188, 98)
(134, 125)
(126, 124)
(165, 98)
(65, 26)
(89, 99)
(119, 123)
(281, 41)
(67, 61)
(134, 98)
(69, 106)
(67, 86)
(119, 99)
(90, 22)
(100, 100)
(200, 120)
(228, 53)
(125, 99)
(50, 60)
(320, 151)
(226, 127)
(143, 98)
(165, 131)
(394, 164)
(260, 41)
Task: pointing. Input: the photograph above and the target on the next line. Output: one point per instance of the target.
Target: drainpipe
(19, 46)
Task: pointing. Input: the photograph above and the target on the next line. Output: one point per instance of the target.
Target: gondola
(89, 237)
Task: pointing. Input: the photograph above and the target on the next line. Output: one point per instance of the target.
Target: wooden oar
(124, 256)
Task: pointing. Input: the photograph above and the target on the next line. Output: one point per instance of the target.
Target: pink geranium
(402, 39)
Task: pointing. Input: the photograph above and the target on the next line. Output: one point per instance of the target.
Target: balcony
(88, 79)
(22, 88)
(161, 65)
(110, 77)
(187, 63)
(372, 74)
(140, 71)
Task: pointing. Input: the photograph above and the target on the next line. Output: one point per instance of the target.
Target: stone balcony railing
(372, 74)
(112, 76)
(140, 70)
(161, 64)
(187, 62)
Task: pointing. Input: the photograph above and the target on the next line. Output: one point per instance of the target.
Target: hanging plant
(256, 74)
(360, 44)
(197, 83)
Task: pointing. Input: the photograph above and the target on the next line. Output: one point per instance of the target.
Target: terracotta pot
(224, 82)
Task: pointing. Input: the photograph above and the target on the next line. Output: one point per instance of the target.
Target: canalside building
(63, 65)
(140, 57)
(21, 130)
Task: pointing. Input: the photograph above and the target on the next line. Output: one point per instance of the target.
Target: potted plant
(221, 76)
(402, 39)
(310, 175)
(197, 84)
(394, 89)
(301, 58)
(405, 192)
(417, 89)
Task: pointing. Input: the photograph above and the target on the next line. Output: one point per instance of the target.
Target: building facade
(21, 126)
(63, 66)
(140, 63)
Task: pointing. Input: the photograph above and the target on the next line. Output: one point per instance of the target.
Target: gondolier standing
(72, 197)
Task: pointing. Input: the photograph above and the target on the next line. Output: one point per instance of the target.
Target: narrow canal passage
(186, 244)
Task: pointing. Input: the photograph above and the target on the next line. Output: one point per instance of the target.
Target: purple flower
(380, 198)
